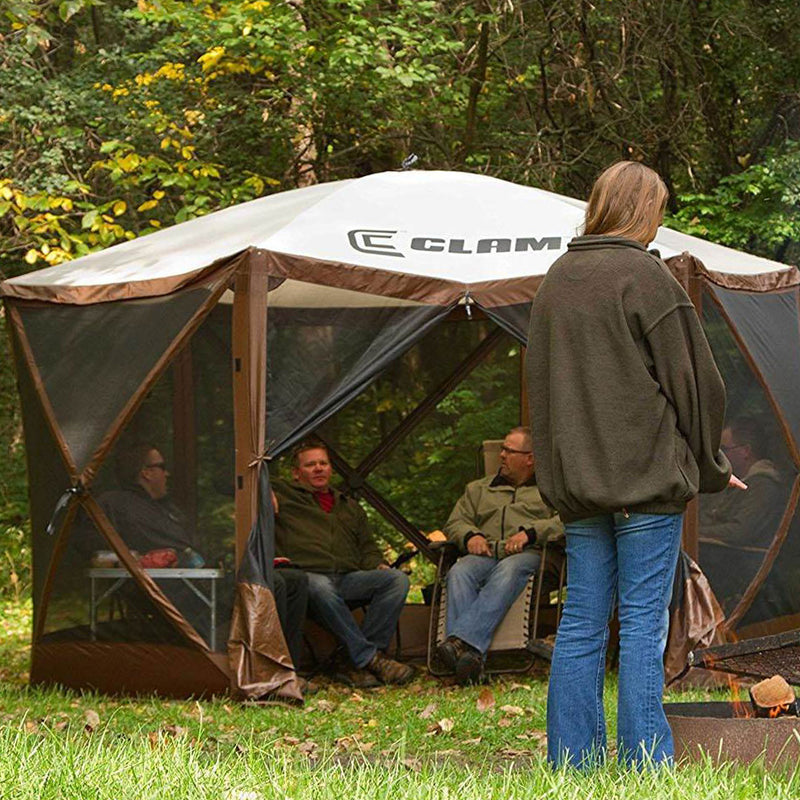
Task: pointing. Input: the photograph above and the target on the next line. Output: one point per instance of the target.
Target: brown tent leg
(257, 651)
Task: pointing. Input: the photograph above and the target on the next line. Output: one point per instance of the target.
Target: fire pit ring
(713, 730)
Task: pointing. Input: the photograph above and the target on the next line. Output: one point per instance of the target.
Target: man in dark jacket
(146, 518)
(326, 533)
(500, 525)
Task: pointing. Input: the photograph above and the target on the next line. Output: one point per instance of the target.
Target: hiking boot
(469, 667)
(389, 670)
(355, 677)
(450, 650)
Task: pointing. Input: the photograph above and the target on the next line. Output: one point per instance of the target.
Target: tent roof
(451, 226)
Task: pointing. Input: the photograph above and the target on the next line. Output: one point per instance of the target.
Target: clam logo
(383, 243)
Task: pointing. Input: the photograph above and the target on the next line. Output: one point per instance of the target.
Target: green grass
(425, 740)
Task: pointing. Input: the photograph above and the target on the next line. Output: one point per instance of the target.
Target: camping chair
(518, 640)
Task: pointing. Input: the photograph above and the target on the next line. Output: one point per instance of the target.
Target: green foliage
(15, 549)
(757, 209)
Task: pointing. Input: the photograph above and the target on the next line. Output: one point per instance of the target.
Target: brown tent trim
(763, 282)
(249, 350)
(62, 537)
(217, 284)
(117, 668)
(366, 280)
(258, 657)
(766, 565)
(109, 293)
(513, 291)
(41, 393)
(144, 581)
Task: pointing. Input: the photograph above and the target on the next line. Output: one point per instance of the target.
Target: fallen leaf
(428, 711)
(308, 747)
(512, 711)
(412, 763)
(60, 726)
(356, 697)
(504, 722)
(486, 699)
(31, 726)
(92, 720)
(175, 730)
(515, 686)
(476, 740)
(325, 705)
(290, 740)
(444, 725)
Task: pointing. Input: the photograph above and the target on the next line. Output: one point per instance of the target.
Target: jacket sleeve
(371, 555)
(689, 378)
(461, 522)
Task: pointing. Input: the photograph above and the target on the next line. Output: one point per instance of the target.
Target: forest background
(118, 118)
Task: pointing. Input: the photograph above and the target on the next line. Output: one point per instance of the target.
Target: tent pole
(381, 504)
(249, 389)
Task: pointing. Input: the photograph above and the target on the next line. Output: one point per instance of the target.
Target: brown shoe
(357, 678)
(450, 650)
(389, 670)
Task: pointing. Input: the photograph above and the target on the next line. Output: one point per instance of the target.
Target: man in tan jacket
(499, 524)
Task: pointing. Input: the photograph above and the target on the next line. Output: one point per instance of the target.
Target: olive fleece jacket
(340, 541)
(626, 401)
(497, 509)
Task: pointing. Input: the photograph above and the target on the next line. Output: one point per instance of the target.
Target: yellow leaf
(147, 205)
(31, 256)
(158, 194)
(119, 207)
(165, 142)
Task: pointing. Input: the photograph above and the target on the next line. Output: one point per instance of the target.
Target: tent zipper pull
(468, 304)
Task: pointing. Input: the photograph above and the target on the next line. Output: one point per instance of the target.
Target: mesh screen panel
(318, 359)
(185, 423)
(737, 528)
(427, 471)
(47, 475)
(93, 358)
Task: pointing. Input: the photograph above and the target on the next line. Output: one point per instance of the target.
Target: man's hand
(515, 543)
(383, 566)
(478, 546)
(736, 483)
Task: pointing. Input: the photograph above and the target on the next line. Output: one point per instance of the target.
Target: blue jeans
(608, 557)
(382, 590)
(480, 590)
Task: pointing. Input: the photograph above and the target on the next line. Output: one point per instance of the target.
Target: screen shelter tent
(227, 339)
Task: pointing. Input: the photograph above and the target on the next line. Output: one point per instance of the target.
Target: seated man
(326, 533)
(741, 525)
(500, 525)
(145, 517)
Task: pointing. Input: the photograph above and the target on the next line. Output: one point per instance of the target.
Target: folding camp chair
(519, 638)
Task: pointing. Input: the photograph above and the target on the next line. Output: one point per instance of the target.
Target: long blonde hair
(628, 199)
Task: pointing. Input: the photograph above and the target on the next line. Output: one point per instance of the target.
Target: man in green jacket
(326, 534)
(500, 525)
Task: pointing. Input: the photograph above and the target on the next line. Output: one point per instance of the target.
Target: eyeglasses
(505, 449)
(157, 465)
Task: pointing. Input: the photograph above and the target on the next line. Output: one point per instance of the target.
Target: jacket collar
(595, 242)
(501, 480)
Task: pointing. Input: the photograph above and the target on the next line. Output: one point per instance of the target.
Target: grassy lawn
(425, 740)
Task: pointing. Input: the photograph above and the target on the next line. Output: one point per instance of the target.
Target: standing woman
(626, 409)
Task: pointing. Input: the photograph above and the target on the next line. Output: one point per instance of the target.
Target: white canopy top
(454, 226)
